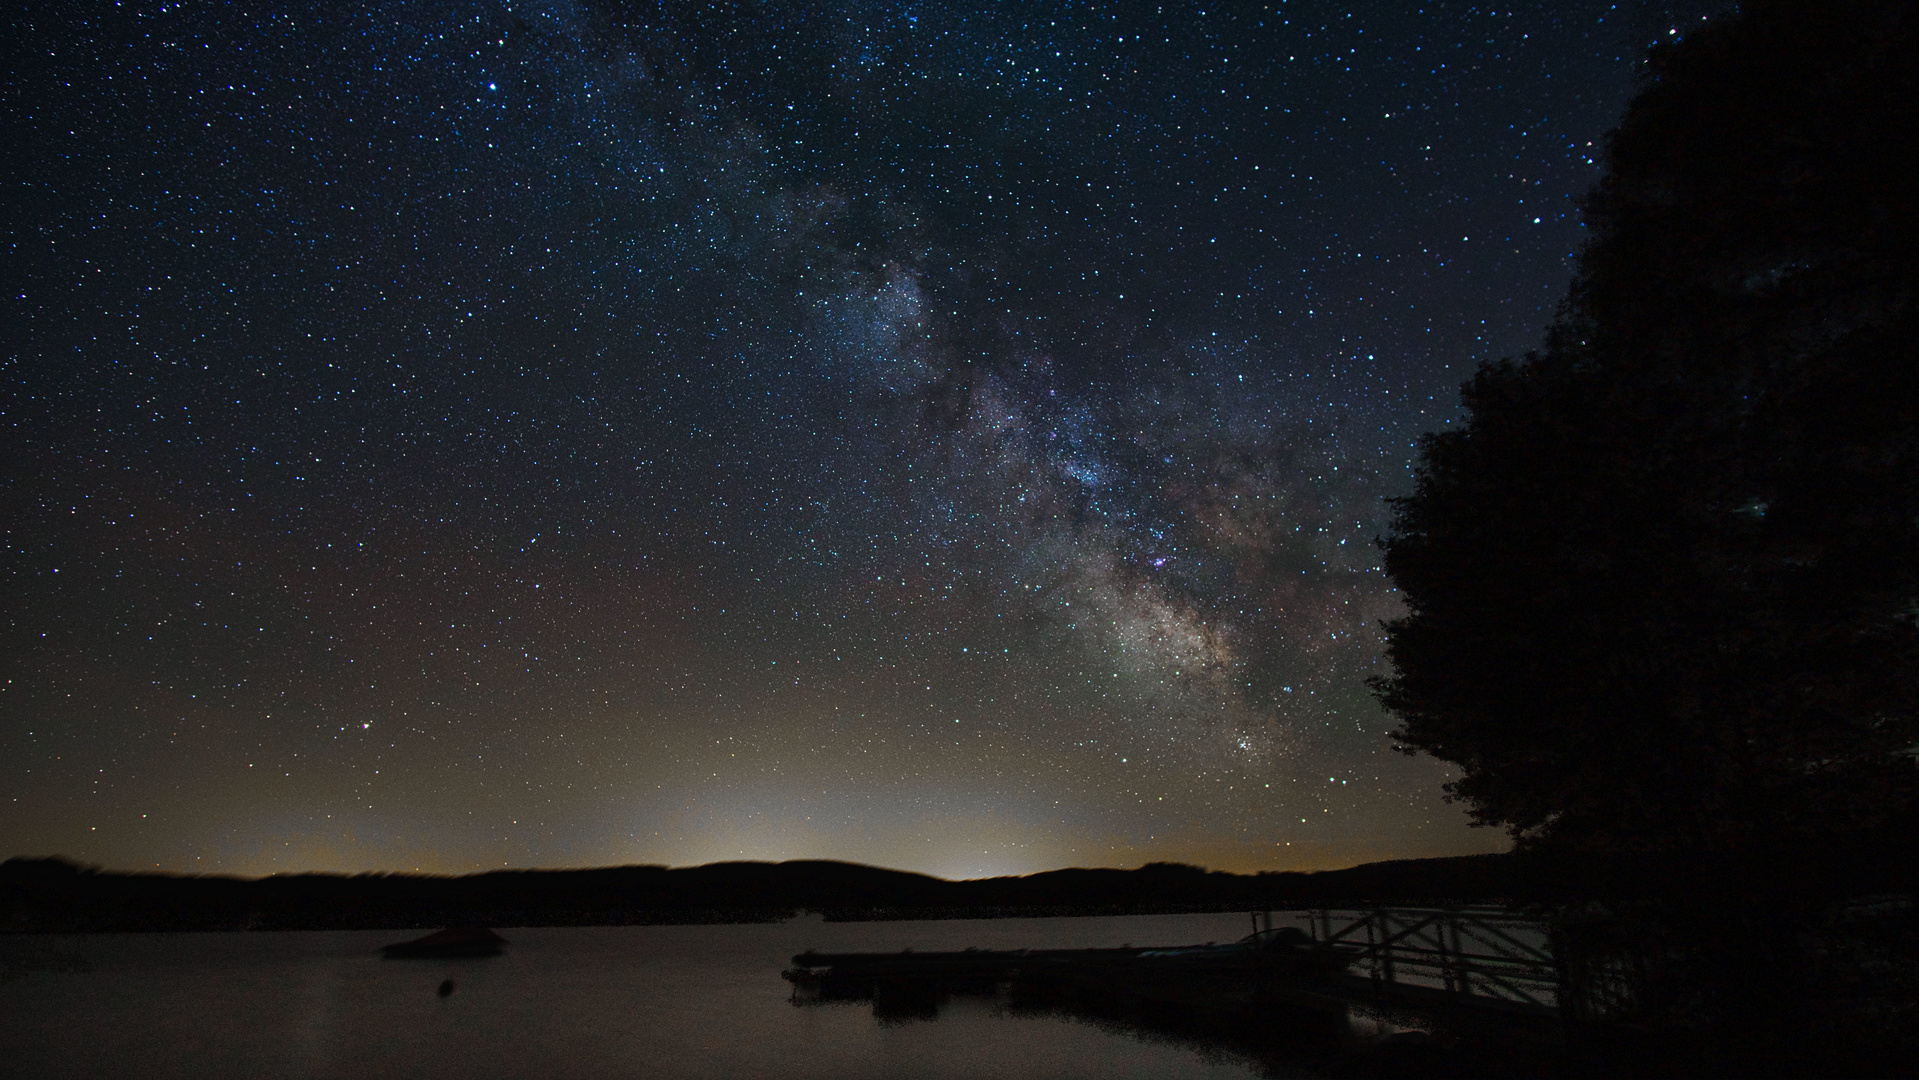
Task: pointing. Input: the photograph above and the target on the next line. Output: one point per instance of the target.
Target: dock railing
(1475, 955)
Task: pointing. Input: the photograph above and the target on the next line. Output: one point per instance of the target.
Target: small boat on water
(453, 941)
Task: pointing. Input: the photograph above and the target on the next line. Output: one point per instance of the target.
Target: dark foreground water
(601, 1002)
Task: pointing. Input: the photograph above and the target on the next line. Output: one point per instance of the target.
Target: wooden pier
(1425, 967)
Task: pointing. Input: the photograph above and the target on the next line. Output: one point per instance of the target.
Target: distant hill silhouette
(54, 895)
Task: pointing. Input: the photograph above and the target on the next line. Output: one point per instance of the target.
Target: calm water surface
(630, 1001)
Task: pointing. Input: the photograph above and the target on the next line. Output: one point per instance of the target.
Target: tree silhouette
(1662, 583)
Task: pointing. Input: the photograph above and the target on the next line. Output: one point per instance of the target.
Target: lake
(600, 1002)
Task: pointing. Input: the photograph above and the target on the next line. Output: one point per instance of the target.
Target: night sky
(951, 437)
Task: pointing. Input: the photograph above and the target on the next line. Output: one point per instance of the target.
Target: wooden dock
(1426, 967)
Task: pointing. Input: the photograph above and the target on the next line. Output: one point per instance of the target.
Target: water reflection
(653, 1001)
(1271, 1053)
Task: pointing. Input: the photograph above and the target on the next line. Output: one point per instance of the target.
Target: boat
(453, 941)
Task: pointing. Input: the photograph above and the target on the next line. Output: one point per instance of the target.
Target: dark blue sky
(951, 437)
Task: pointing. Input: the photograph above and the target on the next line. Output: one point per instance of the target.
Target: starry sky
(568, 432)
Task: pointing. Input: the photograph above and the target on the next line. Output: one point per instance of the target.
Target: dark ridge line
(50, 895)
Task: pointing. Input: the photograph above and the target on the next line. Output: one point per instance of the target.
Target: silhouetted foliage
(1662, 583)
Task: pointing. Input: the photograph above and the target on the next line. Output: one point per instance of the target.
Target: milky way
(951, 437)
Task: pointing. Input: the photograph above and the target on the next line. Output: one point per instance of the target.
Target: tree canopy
(1662, 582)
